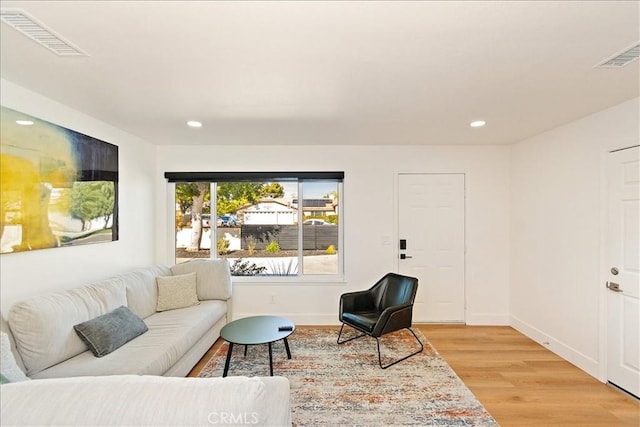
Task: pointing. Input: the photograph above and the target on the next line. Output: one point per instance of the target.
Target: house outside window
(268, 227)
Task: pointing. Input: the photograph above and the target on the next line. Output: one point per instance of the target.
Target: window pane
(257, 227)
(320, 227)
(193, 220)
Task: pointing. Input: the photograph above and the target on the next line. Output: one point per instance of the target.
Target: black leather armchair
(386, 307)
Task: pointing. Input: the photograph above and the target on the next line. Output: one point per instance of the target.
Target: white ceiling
(330, 72)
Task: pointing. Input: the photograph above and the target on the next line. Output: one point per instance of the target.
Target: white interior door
(431, 222)
(623, 296)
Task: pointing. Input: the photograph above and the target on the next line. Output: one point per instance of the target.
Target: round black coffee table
(257, 330)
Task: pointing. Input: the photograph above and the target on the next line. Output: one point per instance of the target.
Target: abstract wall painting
(58, 187)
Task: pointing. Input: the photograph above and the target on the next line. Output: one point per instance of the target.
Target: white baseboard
(299, 318)
(332, 319)
(571, 355)
(487, 319)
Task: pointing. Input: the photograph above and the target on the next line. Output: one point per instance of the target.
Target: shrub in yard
(273, 247)
(251, 246)
(283, 268)
(331, 250)
(245, 268)
(223, 246)
(179, 220)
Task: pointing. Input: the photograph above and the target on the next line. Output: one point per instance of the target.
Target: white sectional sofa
(49, 347)
(63, 369)
(131, 400)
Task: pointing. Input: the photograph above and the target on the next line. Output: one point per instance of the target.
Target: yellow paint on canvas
(33, 161)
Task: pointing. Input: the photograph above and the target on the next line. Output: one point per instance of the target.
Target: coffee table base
(228, 359)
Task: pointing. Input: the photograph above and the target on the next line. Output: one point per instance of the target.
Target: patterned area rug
(343, 384)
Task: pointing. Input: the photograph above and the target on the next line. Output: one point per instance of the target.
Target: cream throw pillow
(176, 291)
(213, 279)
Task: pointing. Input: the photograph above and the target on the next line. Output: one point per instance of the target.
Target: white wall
(31, 273)
(368, 198)
(557, 283)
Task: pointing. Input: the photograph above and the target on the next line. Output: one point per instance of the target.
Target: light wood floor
(520, 382)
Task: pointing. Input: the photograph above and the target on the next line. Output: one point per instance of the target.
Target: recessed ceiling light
(24, 122)
(477, 123)
(194, 124)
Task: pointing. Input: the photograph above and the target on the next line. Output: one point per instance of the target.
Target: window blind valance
(252, 176)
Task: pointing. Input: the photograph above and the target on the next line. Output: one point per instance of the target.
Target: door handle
(614, 287)
(405, 256)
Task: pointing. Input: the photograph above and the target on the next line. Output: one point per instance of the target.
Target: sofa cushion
(212, 277)
(42, 326)
(110, 331)
(171, 335)
(142, 289)
(4, 327)
(177, 291)
(8, 366)
(142, 401)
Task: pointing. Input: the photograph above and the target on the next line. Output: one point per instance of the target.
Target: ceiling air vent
(30, 27)
(622, 59)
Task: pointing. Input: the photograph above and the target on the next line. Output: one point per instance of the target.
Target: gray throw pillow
(110, 331)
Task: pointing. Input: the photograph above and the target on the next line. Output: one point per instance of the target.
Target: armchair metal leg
(399, 360)
(350, 339)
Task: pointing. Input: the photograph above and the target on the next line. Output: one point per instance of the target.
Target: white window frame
(300, 277)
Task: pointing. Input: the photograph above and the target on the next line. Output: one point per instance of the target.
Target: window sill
(289, 281)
